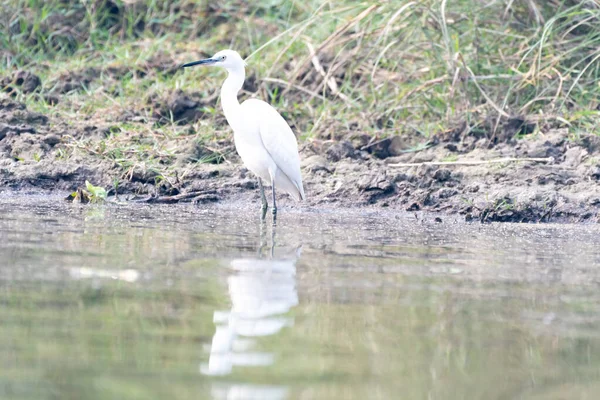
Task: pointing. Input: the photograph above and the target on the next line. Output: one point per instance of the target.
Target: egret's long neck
(229, 92)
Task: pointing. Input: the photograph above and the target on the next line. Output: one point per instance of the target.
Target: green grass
(395, 68)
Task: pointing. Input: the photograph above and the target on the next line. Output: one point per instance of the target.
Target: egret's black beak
(207, 61)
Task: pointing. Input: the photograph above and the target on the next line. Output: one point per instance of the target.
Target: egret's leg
(274, 203)
(263, 199)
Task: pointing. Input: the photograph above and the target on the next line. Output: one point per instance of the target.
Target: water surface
(195, 302)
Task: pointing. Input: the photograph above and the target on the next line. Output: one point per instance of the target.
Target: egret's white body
(263, 139)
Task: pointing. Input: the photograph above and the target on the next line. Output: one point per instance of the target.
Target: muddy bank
(40, 151)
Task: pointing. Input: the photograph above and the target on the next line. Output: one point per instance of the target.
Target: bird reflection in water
(262, 291)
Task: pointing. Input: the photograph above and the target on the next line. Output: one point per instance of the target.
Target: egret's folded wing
(279, 140)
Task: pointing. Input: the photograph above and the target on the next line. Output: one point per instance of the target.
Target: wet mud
(398, 173)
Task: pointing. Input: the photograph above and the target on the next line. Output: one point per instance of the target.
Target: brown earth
(360, 171)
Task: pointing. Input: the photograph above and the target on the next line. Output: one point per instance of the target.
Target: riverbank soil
(45, 152)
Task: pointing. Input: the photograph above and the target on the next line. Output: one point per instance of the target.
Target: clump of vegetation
(93, 194)
(334, 69)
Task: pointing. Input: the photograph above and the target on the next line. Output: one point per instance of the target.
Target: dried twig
(475, 162)
(425, 85)
(329, 80)
(331, 39)
(487, 98)
(202, 196)
(297, 87)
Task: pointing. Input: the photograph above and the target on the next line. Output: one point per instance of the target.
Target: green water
(189, 302)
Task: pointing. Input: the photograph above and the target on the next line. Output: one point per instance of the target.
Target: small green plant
(93, 194)
(450, 158)
(96, 193)
(61, 154)
(505, 204)
(116, 186)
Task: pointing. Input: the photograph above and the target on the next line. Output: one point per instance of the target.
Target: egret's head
(228, 59)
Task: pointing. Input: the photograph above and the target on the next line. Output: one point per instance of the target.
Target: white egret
(263, 139)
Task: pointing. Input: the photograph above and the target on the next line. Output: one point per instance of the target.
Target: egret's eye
(223, 58)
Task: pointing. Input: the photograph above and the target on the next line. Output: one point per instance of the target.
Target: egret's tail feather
(297, 194)
(282, 181)
(301, 193)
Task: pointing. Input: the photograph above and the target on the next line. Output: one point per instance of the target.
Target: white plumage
(263, 139)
